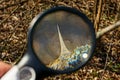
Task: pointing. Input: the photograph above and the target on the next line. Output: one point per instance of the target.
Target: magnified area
(62, 41)
(69, 59)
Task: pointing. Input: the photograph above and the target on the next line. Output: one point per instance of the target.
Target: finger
(4, 68)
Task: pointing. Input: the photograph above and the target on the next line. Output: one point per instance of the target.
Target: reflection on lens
(72, 60)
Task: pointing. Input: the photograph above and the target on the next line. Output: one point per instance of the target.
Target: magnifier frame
(40, 16)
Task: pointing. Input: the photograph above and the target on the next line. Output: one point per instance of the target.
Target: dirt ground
(16, 15)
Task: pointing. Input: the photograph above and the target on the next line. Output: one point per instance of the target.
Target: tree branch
(103, 31)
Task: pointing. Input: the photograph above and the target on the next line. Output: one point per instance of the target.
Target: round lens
(63, 39)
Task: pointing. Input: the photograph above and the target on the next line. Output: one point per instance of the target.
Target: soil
(16, 15)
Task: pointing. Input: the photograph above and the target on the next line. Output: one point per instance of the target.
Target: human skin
(4, 68)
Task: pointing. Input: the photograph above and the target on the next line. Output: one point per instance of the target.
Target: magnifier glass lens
(62, 40)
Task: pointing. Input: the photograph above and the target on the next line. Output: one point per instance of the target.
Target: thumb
(4, 68)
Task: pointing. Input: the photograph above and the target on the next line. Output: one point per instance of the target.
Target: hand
(4, 68)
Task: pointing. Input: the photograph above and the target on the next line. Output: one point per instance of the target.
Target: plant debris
(15, 16)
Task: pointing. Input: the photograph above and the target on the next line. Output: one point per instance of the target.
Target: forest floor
(16, 15)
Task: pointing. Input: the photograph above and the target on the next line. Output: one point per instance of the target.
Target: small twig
(1, 8)
(9, 15)
(5, 41)
(106, 61)
(103, 31)
(97, 20)
(95, 9)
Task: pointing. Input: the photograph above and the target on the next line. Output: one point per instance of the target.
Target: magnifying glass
(60, 40)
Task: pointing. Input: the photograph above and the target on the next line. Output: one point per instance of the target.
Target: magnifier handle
(12, 74)
(25, 73)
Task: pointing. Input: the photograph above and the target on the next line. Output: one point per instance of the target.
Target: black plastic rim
(67, 9)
